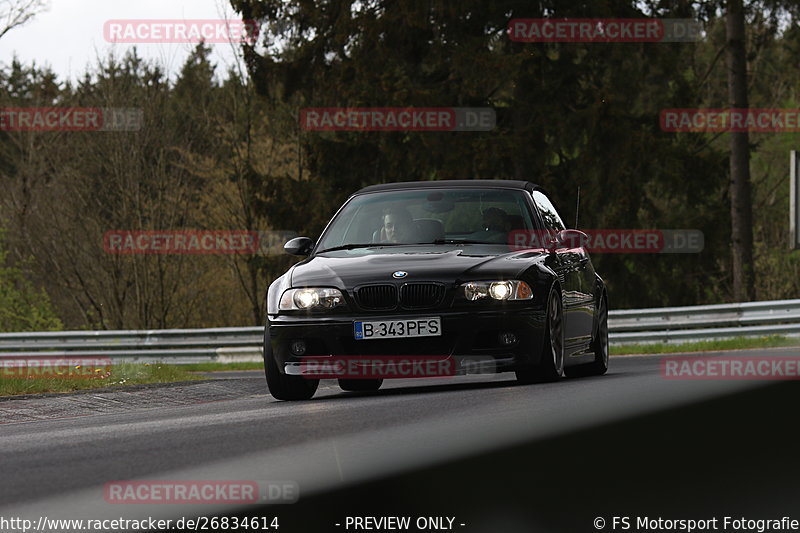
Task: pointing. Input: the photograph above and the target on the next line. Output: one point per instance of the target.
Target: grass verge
(220, 367)
(772, 341)
(75, 379)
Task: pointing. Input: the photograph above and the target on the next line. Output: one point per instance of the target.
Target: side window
(549, 215)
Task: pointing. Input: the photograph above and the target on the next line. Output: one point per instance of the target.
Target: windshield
(438, 216)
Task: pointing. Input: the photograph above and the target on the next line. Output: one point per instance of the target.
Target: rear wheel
(599, 345)
(551, 365)
(360, 385)
(281, 386)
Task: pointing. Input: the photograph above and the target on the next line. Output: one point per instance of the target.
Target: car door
(571, 267)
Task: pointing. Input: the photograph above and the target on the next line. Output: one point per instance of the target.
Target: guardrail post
(794, 200)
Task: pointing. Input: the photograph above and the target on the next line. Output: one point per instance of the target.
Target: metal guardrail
(666, 324)
(705, 322)
(184, 345)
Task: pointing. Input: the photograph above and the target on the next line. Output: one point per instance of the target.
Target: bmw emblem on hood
(399, 274)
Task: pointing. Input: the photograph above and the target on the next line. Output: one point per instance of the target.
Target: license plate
(398, 329)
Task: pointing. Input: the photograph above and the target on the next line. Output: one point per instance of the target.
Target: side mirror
(299, 246)
(571, 238)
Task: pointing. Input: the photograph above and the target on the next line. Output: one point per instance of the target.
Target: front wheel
(551, 365)
(281, 386)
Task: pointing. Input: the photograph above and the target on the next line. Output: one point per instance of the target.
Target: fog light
(507, 338)
(298, 347)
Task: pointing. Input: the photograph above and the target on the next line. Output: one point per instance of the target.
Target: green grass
(219, 367)
(772, 341)
(120, 375)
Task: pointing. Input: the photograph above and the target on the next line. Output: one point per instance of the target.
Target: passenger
(495, 219)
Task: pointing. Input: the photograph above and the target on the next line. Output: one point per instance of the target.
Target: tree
(740, 196)
(568, 114)
(22, 306)
(14, 13)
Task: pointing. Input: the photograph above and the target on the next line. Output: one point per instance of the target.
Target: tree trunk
(741, 207)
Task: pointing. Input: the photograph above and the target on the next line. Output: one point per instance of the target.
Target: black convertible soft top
(479, 184)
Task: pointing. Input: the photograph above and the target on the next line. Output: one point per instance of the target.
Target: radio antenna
(577, 206)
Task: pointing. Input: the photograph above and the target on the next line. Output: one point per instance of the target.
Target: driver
(398, 225)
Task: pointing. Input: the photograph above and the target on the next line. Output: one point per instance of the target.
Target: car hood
(350, 268)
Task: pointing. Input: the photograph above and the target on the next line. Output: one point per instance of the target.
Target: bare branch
(15, 13)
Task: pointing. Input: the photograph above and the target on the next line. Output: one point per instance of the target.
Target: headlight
(310, 298)
(497, 290)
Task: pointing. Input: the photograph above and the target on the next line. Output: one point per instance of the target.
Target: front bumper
(470, 338)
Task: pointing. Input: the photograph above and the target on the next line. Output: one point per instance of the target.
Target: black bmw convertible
(436, 278)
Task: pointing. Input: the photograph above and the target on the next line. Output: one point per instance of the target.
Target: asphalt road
(56, 453)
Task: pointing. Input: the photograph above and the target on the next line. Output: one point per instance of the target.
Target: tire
(281, 386)
(551, 365)
(360, 385)
(599, 346)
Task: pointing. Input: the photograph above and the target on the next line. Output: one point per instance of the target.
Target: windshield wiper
(460, 241)
(353, 246)
(361, 245)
